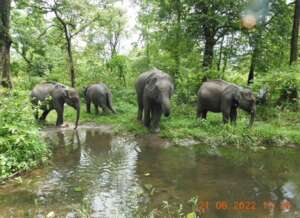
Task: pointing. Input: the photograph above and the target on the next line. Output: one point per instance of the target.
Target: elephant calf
(154, 90)
(52, 96)
(220, 96)
(100, 96)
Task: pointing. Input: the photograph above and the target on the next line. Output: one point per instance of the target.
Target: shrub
(20, 144)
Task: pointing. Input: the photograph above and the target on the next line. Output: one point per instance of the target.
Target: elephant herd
(154, 90)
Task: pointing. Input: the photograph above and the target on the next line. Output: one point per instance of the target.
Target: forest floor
(273, 126)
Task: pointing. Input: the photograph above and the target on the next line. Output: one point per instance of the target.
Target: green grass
(273, 126)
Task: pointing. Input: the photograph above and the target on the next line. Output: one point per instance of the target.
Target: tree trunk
(295, 33)
(70, 54)
(5, 43)
(148, 58)
(71, 62)
(220, 55)
(252, 68)
(227, 55)
(68, 38)
(177, 56)
(208, 51)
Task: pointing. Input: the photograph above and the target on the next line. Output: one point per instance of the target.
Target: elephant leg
(226, 116)
(233, 115)
(156, 115)
(88, 106)
(140, 108)
(226, 106)
(147, 111)
(60, 115)
(44, 115)
(204, 114)
(199, 110)
(103, 105)
(96, 108)
(201, 113)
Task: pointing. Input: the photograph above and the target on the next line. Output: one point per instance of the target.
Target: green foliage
(283, 86)
(21, 146)
(187, 87)
(119, 65)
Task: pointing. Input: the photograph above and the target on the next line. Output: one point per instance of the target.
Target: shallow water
(93, 173)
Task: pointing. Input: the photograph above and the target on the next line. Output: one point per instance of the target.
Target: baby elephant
(100, 96)
(50, 96)
(154, 90)
(220, 96)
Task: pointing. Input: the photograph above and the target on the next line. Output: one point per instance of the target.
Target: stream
(93, 173)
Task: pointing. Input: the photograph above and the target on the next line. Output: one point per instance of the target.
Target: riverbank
(22, 148)
(273, 126)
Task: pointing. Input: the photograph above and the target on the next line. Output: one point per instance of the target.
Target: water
(95, 174)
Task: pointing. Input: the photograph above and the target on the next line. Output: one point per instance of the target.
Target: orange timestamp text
(203, 206)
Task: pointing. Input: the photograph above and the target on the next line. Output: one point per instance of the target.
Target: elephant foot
(63, 125)
(155, 130)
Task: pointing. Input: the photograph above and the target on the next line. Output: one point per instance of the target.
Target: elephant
(52, 96)
(221, 96)
(100, 95)
(154, 90)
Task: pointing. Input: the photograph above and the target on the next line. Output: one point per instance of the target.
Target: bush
(21, 147)
(282, 86)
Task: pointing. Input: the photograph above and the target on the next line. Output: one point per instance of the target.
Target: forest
(251, 43)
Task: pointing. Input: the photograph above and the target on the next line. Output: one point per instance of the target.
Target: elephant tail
(109, 102)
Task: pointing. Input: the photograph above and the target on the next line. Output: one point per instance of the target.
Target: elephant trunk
(252, 116)
(165, 106)
(77, 107)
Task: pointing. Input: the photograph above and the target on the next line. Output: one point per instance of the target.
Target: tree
(29, 38)
(146, 19)
(295, 33)
(271, 25)
(115, 28)
(72, 18)
(211, 20)
(5, 42)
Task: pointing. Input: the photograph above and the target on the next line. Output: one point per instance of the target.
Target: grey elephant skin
(220, 96)
(100, 96)
(154, 89)
(52, 96)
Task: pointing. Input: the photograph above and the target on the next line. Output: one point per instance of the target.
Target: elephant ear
(236, 98)
(66, 93)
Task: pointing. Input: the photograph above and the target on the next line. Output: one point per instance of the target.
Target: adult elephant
(220, 96)
(154, 89)
(100, 96)
(52, 96)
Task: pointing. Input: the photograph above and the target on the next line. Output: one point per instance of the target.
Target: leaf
(191, 215)
(148, 187)
(77, 189)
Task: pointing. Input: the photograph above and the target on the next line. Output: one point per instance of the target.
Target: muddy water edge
(94, 173)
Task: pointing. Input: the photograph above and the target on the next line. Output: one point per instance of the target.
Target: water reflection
(120, 176)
